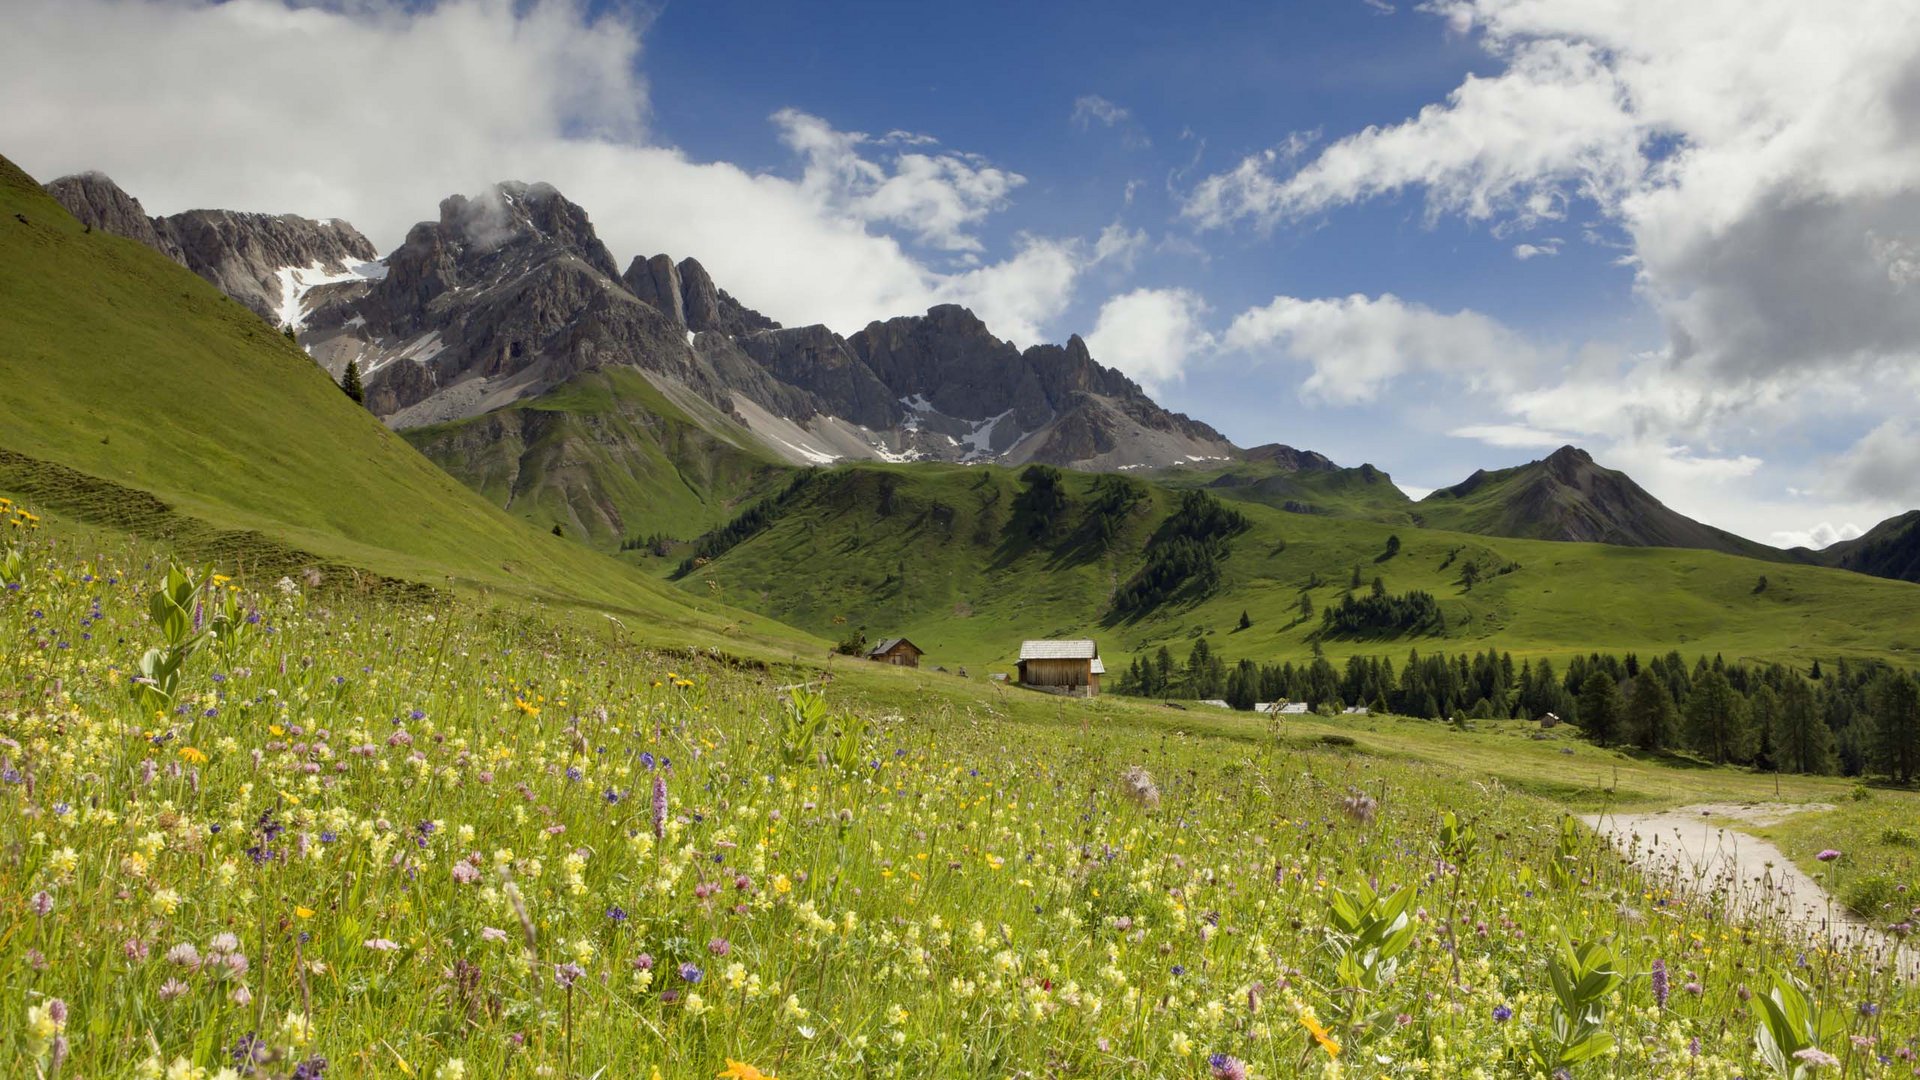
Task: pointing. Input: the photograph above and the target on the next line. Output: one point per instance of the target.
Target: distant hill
(136, 395)
(1890, 549)
(1567, 496)
(956, 559)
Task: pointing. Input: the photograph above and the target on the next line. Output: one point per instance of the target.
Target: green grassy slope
(939, 567)
(124, 378)
(1362, 492)
(606, 456)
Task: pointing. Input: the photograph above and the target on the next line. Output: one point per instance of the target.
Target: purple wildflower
(1828, 855)
(1227, 1067)
(691, 972)
(1502, 1014)
(659, 807)
(567, 974)
(1659, 980)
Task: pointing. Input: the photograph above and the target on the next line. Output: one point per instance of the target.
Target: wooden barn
(1061, 667)
(897, 651)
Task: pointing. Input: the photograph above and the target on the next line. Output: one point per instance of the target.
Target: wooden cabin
(897, 651)
(1061, 667)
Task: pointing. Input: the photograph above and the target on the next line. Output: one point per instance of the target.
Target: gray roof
(887, 644)
(1098, 667)
(1059, 650)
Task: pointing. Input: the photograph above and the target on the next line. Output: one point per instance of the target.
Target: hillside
(606, 456)
(1890, 549)
(1301, 482)
(136, 394)
(945, 557)
(1567, 496)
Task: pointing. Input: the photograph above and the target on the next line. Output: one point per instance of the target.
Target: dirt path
(1755, 882)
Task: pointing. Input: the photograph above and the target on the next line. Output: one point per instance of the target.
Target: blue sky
(1432, 237)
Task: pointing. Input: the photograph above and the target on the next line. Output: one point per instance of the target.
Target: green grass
(403, 825)
(607, 457)
(947, 568)
(1362, 492)
(122, 372)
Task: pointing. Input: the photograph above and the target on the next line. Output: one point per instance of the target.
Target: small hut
(1061, 667)
(897, 651)
(1548, 720)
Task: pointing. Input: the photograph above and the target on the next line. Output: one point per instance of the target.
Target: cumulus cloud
(936, 197)
(1824, 534)
(1357, 344)
(375, 110)
(1884, 464)
(1545, 248)
(1756, 154)
(1151, 334)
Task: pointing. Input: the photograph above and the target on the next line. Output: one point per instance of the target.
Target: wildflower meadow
(268, 829)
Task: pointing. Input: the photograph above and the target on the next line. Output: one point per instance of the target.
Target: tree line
(1857, 718)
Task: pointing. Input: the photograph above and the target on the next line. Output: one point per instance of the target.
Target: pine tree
(1802, 742)
(1244, 621)
(1649, 719)
(1600, 707)
(1717, 718)
(1896, 722)
(350, 383)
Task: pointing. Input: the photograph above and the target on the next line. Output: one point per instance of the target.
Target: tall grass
(374, 840)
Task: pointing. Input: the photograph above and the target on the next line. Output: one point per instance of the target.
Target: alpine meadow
(1287, 540)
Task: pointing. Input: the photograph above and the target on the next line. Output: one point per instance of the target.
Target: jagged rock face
(950, 359)
(708, 307)
(248, 255)
(258, 259)
(101, 204)
(510, 293)
(657, 281)
(506, 294)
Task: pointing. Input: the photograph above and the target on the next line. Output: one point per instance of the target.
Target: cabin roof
(887, 645)
(1082, 649)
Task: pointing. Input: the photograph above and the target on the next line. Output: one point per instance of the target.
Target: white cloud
(375, 111)
(1357, 344)
(1120, 246)
(1092, 109)
(1089, 109)
(1512, 436)
(937, 198)
(1758, 154)
(1825, 534)
(1884, 464)
(1151, 334)
(1544, 249)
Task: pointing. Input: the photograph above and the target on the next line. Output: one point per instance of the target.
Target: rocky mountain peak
(657, 281)
(512, 214)
(100, 203)
(258, 259)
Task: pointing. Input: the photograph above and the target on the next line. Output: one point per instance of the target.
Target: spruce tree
(1717, 718)
(1896, 722)
(1803, 741)
(1244, 621)
(1649, 719)
(1600, 707)
(350, 383)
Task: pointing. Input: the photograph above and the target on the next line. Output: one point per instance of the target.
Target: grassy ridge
(945, 564)
(120, 365)
(607, 456)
